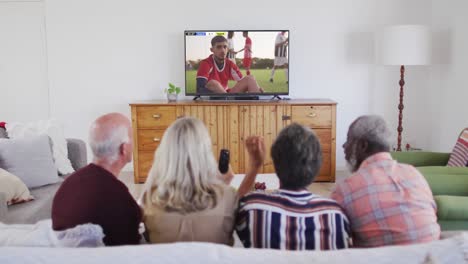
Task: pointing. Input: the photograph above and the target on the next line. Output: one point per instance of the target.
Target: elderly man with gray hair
(93, 194)
(387, 203)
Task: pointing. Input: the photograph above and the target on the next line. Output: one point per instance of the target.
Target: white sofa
(452, 250)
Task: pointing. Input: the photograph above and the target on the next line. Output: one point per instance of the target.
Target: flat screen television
(236, 63)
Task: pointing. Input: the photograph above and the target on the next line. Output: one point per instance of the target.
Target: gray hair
(183, 177)
(374, 130)
(297, 156)
(107, 147)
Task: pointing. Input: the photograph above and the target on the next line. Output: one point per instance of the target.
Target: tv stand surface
(230, 98)
(239, 98)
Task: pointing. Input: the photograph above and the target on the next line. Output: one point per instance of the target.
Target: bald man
(93, 194)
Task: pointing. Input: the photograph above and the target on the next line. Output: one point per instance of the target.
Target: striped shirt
(388, 203)
(293, 220)
(281, 50)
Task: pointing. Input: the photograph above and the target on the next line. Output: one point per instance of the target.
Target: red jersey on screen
(209, 70)
(248, 48)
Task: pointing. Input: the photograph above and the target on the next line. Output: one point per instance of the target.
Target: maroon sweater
(94, 195)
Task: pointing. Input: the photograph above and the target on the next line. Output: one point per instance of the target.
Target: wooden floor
(320, 188)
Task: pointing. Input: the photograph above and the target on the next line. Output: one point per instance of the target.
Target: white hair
(108, 146)
(183, 177)
(373, 129)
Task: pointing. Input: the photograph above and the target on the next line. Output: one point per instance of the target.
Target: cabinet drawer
(145, 161)
(156, 117)
(149, 139)
(312, 116)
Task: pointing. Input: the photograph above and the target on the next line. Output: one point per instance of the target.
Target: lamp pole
(401, 106)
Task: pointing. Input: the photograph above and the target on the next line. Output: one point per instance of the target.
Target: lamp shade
(405, 45)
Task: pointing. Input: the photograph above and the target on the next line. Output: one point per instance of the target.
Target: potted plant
(172, 92)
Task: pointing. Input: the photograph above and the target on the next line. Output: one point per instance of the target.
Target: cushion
(445, 180)
(27, 235)
(30, 159)
(41, 234)
(85, 235)
(459, 156)
(452, 207)
(54, 131)
(13, 188)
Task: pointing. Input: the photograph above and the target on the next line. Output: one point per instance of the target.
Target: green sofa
(449, 186)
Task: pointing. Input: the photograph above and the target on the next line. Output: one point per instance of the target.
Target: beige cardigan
(211, 225)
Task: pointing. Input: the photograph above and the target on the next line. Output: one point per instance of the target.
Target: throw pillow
(54, 131)
(41, 234)
(30, 159)
(459, 155)
(84, 235)
(13, 188)
(35, 235)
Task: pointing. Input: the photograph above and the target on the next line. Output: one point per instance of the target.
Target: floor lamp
(405, 45)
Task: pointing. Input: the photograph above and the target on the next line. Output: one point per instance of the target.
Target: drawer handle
(312, 115)
(156, 139)
(157, 116)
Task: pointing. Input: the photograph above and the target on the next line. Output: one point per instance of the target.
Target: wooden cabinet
(230, 123)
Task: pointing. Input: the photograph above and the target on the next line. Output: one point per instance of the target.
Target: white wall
(103, 54)
(23, 62)
(448, 108)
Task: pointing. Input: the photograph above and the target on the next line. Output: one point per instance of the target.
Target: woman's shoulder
(227, 194)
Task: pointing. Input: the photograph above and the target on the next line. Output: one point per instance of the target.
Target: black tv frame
(234, 96)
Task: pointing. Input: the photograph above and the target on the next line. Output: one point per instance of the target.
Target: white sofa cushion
(51, 128)
(30, 159)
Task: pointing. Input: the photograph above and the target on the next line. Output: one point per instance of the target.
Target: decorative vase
(172, 97)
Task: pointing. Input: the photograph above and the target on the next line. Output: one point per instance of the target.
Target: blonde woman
(185, 197)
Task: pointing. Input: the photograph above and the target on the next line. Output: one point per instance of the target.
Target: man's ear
(122, 149)
(211, 49)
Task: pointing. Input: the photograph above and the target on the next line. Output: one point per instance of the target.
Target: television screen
(223, 63)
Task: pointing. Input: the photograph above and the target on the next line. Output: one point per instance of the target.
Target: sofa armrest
(422, 158)
(3, 206)
(77, 153)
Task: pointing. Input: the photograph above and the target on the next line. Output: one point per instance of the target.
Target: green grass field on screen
(262, 76)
